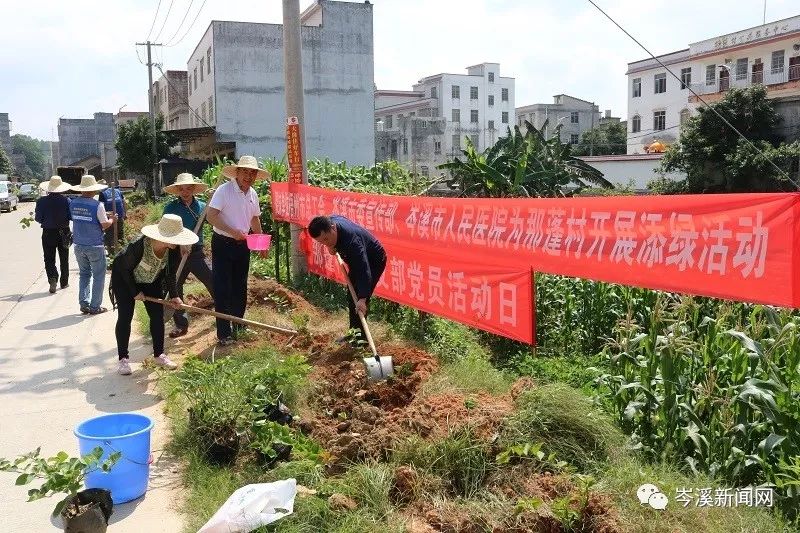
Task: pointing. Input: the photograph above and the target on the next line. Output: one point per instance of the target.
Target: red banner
(490, 297)
(294, 149)
(736, 246)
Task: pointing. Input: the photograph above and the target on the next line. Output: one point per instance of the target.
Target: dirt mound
(270, 293)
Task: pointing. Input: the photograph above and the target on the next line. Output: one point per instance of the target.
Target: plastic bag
(253, 506)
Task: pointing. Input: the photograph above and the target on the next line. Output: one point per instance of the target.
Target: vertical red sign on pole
(294, 150)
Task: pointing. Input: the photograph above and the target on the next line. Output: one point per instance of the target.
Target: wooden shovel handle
(355, 301)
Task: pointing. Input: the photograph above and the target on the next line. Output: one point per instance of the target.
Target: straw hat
(246, 161)
(89, 184)
(170, 230)
(55, 184)
(186, 179)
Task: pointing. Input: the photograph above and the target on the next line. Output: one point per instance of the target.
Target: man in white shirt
(233, 211)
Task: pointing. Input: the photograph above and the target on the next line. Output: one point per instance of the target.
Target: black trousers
(125, 306)
(376, 267)
(195, 264)
(52, 242)
(230, 264)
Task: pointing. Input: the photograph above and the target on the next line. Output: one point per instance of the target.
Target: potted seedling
(85, 511)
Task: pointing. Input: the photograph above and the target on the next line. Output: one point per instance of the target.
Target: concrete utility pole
(293, 74)
(151, 108)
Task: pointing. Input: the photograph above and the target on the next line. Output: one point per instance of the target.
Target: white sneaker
(165, 362)
(124, 369)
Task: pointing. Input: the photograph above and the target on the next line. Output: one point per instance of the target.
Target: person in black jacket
(147, 267)
(52, 212)
(362, 253)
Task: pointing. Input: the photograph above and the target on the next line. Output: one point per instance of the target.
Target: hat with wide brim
(56, 184)
(89, 184)
(171, 231)
(186, 179)
(246, 161)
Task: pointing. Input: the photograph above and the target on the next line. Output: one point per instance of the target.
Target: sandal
(178, 332)
(84, 310)
(97, 310)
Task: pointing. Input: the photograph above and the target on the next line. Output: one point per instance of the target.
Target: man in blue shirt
(190, 209)
(89, 220)
(120, 207)
(362, 253)
(52, 212)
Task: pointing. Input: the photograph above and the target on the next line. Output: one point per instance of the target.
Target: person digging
(190, 209)
(361, 252)
(147, 267)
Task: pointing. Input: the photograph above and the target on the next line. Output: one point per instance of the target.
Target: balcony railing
(767, 78)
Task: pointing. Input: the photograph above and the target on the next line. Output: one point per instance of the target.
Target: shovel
(378, 367)
(224, 316)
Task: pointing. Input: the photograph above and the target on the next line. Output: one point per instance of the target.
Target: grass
(468, 375)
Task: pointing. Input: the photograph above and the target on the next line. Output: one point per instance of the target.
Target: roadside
(56, 370)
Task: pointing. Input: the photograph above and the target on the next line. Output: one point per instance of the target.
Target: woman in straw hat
(52, 212)
(234, 212)
(190, 209)
(89, 221)
(146, 267)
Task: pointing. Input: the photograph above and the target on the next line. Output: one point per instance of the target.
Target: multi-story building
(171, 100)
(425, 127)
(658, 103)
(575, 116)
(235, 85)
(5, 133)
(81, 137)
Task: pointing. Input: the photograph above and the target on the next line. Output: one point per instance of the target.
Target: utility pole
(293, 74)
(151, 108)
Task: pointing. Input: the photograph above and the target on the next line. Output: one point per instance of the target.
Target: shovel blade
(379, 368)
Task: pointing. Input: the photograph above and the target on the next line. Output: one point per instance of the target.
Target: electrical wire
(178, 29)
(699, 98)
(190, 26)
(154, 20)
(163, 24)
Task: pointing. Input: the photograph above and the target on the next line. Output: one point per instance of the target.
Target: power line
(699, 98)
(165, 20)
(190, 26)
(154, 20)
(178, 29)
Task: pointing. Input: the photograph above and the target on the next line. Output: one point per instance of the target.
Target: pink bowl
(259, 241)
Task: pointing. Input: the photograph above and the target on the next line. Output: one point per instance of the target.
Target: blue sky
(72, 58)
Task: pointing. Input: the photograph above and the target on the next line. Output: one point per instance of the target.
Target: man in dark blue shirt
(362, 253)
(52, 212)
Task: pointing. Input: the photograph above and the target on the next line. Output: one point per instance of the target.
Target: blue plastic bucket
(128, 433)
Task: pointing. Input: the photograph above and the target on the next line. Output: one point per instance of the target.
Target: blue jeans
(92, 267)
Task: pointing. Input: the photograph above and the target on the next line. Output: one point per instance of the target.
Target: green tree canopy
(34, 155)
(522, 165)
(608, 139)
(717, 160)
(6, 167)
(134, 147)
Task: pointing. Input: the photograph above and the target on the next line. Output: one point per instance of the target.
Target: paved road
(57, 369)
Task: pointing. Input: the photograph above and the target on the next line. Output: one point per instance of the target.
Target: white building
(425, 127)
(768, 54)
(575, 116)
(236, 86)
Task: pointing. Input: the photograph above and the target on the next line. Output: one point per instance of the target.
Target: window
(741, 69)
(659, 120)
(637, 87)
(777, 62)
(211, 109)
(636, 124)
(455, 91)
(433, 92)
(424, 170)
(504, 95)
(437, 147)
(711, 74)
(387, 122)
(573, 138)
(684, 116)
(505, 117)
(190, 85)
(491, 99)
(405, 146)
(202, 62)
(473, 93)
(208, 60)
(473, 115)
(474, 140)
(491, 124)
(195, 77)
(686, 77)
(434, 111)
(491, 77)
(456, 142)
(574, 117)
(660, 83)
(455, 115)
